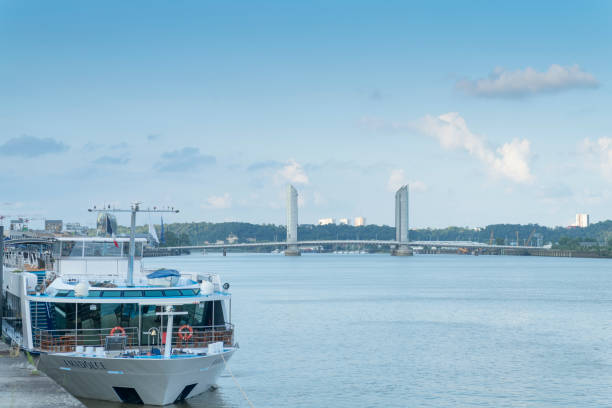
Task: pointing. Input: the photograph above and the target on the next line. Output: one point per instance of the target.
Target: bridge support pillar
(292, 222)
(402, 250)
(292, 250)
(401, 223)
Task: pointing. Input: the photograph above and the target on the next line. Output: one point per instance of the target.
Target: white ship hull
(152, 381)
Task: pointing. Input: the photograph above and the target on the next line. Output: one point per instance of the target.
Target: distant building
(360, 221)
(18, 224)
(582, 220)
(231, 239)
(76, 228)
(326, 221)
(343, 221)
(54, 225)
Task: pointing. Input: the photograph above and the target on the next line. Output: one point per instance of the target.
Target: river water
(328, 330)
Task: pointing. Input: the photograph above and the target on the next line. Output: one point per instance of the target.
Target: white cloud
(599, 154)
(292, 172)
(511, 160)
(502, 83)
(219, 202)
(398, 178)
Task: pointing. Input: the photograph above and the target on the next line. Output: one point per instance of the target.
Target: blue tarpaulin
(163, 273)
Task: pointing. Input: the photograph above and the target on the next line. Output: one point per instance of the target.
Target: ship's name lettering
(91, 365)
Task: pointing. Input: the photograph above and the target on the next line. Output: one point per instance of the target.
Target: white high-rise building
(582, 220)
(343, 221)
(360, 221)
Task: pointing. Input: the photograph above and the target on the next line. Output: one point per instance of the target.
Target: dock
(25, 387)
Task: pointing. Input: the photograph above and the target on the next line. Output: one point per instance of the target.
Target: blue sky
(493, 111)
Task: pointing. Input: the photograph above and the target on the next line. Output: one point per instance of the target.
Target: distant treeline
(201, 232)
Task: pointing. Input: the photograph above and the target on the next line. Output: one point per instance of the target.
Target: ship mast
(134, 208)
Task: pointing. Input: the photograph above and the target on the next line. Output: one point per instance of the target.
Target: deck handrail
(66, 340)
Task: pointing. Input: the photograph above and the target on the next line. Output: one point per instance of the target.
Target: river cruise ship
(107, 328)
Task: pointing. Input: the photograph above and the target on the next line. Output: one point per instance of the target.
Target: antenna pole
(132, 245)
(133, 210)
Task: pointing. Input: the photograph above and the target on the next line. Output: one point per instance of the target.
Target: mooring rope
(236, 381)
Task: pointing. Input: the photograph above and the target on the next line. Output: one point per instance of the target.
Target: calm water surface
(425, 331)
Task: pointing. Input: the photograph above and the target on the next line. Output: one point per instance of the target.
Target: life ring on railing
(185, 335)
(117, 328)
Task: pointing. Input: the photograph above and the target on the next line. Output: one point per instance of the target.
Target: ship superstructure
(108, 328)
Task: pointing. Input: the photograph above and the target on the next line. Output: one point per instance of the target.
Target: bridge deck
(444, 244)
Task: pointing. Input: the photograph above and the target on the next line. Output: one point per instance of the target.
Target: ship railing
(61, 341)
(202, 336)
(69, 340)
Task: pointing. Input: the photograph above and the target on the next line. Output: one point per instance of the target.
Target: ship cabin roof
(186, 289)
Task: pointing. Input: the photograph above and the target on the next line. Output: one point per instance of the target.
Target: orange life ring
(185, 335)
(114, 329)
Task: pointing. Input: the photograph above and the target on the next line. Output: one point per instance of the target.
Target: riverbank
(22, 386)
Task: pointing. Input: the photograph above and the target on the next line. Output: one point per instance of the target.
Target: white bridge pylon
(401, 246)
(292, 222)
(401, 222)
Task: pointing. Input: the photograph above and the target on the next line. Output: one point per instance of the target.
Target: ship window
(201, 314)
(132, 293)
(188, 292)
(154, 293)
(94, 293)
(111, 293)
(117, 314)
(137, 249)
(102, 249)
(88, 319)
(173, 292)
(64, 316)
(72, 248)
(149, 320)
(12, 308)
(64, 293)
